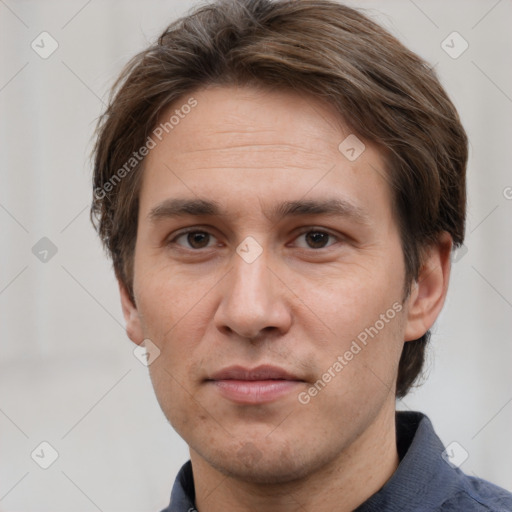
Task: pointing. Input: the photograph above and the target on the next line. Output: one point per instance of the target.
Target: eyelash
(204, 231)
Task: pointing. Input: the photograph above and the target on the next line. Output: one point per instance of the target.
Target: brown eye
(316, 239)
(194, 239)
(198, 239)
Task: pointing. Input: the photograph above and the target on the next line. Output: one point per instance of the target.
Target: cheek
(164, 298)
(353, 297)
(175, 307)
(177, 327)
(359, 314)
(173, 395)
(357, 372)
(175, 322)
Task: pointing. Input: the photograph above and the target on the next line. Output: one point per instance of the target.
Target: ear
(429, 290)
(131, 315)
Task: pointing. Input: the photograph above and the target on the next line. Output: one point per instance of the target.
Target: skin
(299, 305)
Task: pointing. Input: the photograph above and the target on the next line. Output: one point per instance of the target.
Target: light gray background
(67, 372)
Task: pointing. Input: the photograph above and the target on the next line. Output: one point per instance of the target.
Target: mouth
(254, 386)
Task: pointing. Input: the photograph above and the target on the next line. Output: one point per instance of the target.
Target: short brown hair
(384, 92)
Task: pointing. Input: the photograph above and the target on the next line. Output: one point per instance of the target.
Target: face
(269, 273)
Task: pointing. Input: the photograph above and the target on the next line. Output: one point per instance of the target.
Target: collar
(423, 480)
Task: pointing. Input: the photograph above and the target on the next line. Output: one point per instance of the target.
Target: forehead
(277, 122)
(269, 144)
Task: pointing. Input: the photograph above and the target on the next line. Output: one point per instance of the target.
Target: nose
(253, 301)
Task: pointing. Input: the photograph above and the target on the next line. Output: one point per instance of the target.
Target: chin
(265, 465)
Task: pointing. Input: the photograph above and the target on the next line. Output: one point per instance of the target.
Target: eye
(194, 239)
(316, 239)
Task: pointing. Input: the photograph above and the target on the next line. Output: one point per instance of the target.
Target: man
(280, 186)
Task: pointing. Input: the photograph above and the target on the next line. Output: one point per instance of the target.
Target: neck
(342, 485)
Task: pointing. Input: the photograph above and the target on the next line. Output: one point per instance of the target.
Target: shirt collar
(183, 493)
(423, 480)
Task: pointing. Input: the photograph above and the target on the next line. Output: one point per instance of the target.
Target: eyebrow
(335, 207)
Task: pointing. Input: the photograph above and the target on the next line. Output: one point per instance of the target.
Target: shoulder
(478, 495)
(432, 482)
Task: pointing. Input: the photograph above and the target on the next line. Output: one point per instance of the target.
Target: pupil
(317, 239)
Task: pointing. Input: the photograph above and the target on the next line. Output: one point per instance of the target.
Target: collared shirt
(425, 481)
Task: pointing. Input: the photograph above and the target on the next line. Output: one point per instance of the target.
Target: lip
(263, 372)
(254, 386)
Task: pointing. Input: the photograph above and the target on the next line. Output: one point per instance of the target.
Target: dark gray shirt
(423, 482)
